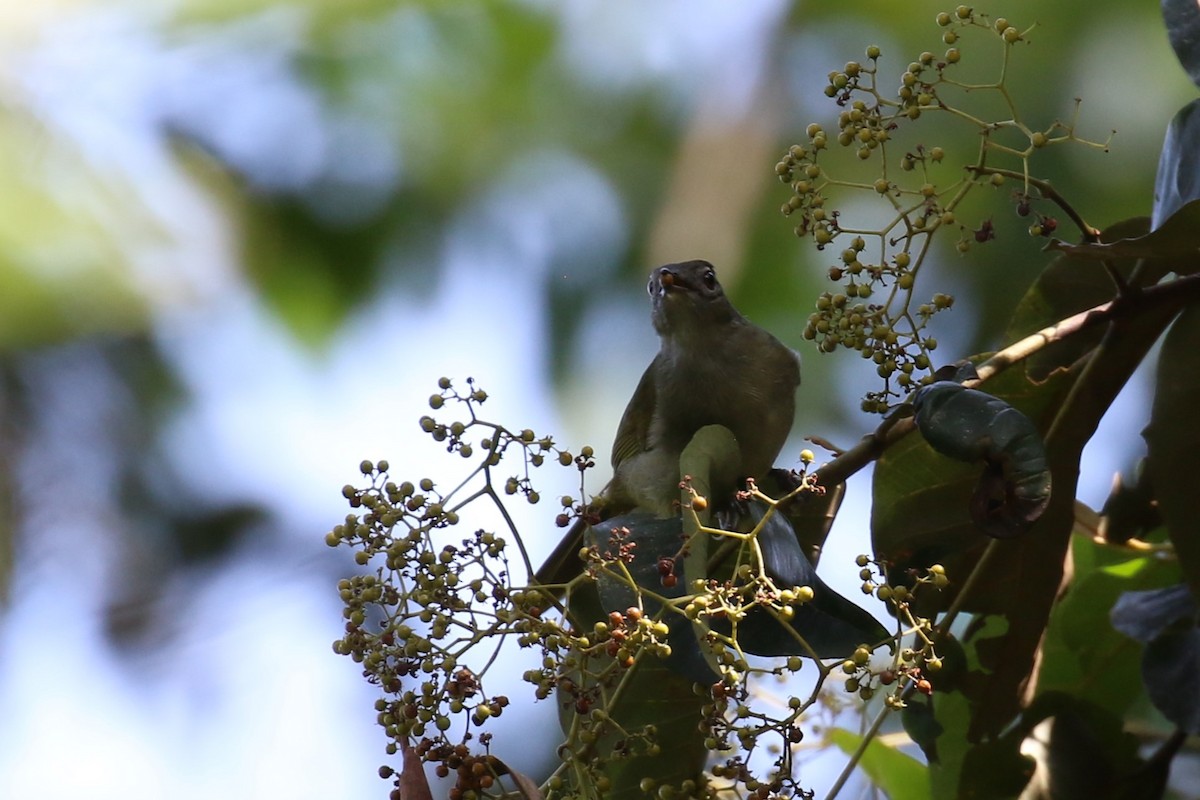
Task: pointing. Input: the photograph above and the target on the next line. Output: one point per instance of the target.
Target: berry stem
(1048, 192)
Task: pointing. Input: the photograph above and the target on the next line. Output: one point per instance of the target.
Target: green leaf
(897, 773)
(1068, 285)
(1178, 237)
(1083, 654)
(1173, 440)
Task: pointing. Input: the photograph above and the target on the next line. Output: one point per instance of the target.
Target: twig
(893, 429)
(1048, 192)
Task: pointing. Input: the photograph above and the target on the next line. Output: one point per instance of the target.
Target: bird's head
(687, 299)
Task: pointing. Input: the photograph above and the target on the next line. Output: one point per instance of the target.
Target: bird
(713, 367)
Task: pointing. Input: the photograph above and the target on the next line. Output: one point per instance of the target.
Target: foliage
(1000, 642)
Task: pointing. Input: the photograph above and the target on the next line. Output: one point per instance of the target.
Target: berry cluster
(874, 311)
(911, 665)
(437, 602)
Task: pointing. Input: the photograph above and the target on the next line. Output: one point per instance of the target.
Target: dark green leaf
(1068, 285)
(1082, 653)
(920, 514)
(1178, 237)
(1173, 440)
(921, 725)
(970, 425)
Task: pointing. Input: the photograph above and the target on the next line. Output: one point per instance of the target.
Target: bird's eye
(710, 279)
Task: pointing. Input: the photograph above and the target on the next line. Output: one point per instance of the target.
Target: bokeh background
(240, 240)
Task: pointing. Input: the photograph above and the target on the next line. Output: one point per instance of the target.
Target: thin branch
(1048, 192)
(895, 428)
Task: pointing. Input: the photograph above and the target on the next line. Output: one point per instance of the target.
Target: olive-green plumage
(713, 367)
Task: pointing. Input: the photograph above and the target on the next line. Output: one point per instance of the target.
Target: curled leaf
(969, 425)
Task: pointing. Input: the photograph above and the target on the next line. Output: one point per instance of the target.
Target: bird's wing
(633, 434)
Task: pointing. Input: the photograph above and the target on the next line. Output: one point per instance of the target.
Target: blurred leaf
(1081, 750)
(952, 712)
(68, 238)
(1144, 615)
(900, 775)
(1173, 440)
(1182, 18)
(995, 769)
(1177, 238)
(310, 272)
(1131, 510)
(1178, 179)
